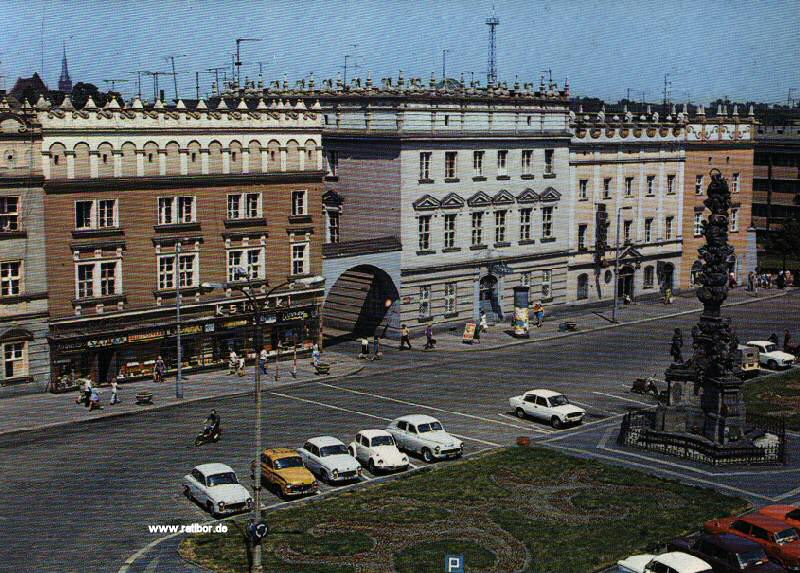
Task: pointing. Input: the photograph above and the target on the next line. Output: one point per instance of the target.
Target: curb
(165, 406)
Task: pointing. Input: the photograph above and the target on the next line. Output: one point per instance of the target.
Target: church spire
(64, 81)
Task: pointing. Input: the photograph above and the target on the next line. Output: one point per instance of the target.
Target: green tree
(786, 240)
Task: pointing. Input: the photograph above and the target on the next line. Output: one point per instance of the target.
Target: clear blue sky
(710, 48)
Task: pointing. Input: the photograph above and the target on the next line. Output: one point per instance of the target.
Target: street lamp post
(616, 266)
(178, 371)
(258, 310)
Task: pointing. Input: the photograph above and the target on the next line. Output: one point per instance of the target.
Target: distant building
(64, 81)
(29, 89)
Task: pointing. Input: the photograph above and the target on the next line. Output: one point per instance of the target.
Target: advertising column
(521, 298)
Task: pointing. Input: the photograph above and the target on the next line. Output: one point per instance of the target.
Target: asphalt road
(80, 498)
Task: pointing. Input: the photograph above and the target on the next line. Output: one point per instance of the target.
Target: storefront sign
(191, 329)
(208, 327)
(469, 332)
(104, 342)
(235, 323)
(288, 315)
(146, 336)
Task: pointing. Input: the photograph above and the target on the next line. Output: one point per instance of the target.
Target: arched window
(255, 156)
(194, 162)
(173, 166)
(273, 156)
(82, 170)
(105, 160)
(215, 157)
(583, 286)
(128, 159)
(292, 156)
(58, 161)
(151, 161)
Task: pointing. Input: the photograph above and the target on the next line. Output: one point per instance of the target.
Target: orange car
(282, 470)
(789, 514)
(780, 541)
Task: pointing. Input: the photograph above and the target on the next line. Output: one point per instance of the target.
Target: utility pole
(179, 370)
(238, 67)
(616, 267)
(444, 64)
(174, 74)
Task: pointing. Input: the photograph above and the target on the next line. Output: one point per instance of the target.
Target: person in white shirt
(262, 360)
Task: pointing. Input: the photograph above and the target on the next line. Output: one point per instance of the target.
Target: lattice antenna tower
(491, 74)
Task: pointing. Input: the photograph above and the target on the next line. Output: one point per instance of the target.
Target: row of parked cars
(292, 473)
(765, 541)
(758, 353)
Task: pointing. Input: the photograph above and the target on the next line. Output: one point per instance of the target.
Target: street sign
(258, 531)
(469, 333)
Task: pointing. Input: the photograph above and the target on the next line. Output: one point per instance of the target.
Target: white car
(377, 450)
(329, 459)
(217, 489)
(770, 356)
(674, 562)
(547, 405)
(424, 435)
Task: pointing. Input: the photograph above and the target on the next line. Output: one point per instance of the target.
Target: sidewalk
(587, 320)
(46, 410)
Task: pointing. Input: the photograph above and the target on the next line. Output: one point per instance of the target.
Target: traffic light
(258, 531)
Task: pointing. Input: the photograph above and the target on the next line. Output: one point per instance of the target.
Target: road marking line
(487, 443)
(331, 406)
(584, 427)
(366, 477)
(623, 398)
(593, 407)
(531, 427)
(416, 405)
(789, 493)
(607, 434)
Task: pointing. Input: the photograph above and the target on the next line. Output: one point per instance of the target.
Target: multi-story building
(144, 203)
(629, 170)
(724, 142)
(23, 283)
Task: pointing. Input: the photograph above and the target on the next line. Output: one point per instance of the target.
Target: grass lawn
(776, 396)
(515, 509)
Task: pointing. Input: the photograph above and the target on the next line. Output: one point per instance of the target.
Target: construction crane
(174, 73)
(239, 59)
(114, 83)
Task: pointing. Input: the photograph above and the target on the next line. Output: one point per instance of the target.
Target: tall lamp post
(179, 370)
(246, 288)
(616, 266)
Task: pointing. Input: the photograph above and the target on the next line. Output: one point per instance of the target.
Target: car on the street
(770, 356)
(672, 562)
(216, 488)
(377, 450)
(546, 405)
(780, 541)
(727, 553)
(328, 458)
(747, 359)
(282, 470)
(424, 435)
(789, 514)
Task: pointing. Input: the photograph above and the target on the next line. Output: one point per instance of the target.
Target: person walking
(376, 348)
(159, 370)
(114, 396)
(429, 342)
(484, 324)
(94, 400)
(233, 362)
(315, 355)
(538, 314)
(405, 337)
(263, 357)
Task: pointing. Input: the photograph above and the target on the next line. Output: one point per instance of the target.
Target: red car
(789, 514)
(779, 540)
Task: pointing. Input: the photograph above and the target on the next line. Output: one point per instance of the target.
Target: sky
(746, 50)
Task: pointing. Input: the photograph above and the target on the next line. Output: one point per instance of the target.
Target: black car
(727, 553)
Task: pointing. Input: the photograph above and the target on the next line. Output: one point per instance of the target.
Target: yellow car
(282, 470)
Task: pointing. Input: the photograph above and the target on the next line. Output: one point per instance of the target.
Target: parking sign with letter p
(454, 564)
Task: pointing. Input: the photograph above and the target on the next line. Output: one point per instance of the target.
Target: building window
(166, 272)
(582, 237)
(607, 188)
(85, 281)
(11, 278)
(424, 233)
(449, 231)
(450, 164)
(188, 272)
(446, 119)
(626, 231)
(96, 214)
(668, 224)
(425, 166)
(499, 226)
(502, 162)
(300, 259)
(525, 231)
(333, 226)
(670, 184)
(582, 189)
(424, 302)
(176, 210)
(251, 260)
(449, 298)
(9, 214)
(649, 277)
(477, 163)
(15, 363)
(736, 183)
(628, 186)
(547, 222)
(108, 278)
(547, 284)
(548, 161)
(525, 279)
(583, 286)
(698, 185)
(527, 161)
(244, 206)
(734, 220)
(651, 184)
(299, 206)
(477, 228)
(333, 163)
(648, 230)
(698, 224)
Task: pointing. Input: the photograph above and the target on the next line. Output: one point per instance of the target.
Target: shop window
(449, 298)
(15, 360)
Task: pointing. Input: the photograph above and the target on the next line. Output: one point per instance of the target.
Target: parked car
(282, 470)
(781, 542)
(747, 359)
(789, 514)
(425, 435)
(770, 356)
(328, 458)
(673, 562)
(216, 488)
(727, 553)
(378, 451)
(547, 405)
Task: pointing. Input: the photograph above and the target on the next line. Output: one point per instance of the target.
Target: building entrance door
(106, 366)
(625, 282)
(489, 303)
